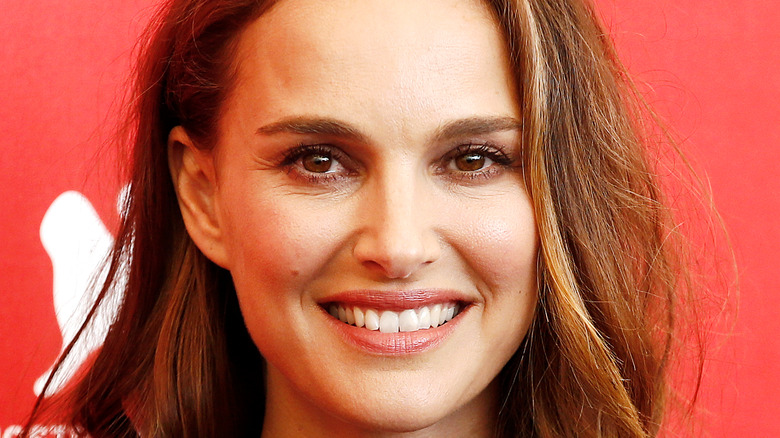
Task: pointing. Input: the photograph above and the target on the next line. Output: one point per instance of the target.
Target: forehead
(375, 57)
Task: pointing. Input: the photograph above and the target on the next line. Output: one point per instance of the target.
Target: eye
(317, 162)
(471, 162)
(476, 161)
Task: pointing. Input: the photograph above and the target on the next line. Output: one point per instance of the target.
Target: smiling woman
(369, 218)
(385, 181)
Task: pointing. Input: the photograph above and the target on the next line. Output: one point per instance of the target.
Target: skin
(397, 210)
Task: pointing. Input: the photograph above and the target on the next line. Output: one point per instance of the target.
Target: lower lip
(395, 344)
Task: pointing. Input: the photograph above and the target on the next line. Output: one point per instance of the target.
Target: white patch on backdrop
(77, 242)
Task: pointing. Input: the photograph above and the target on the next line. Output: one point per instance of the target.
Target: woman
(377, 218)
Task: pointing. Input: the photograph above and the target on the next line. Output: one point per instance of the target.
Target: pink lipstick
(395, 322)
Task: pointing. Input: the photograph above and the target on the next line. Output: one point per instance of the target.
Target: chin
(403, 418)
(442, 411)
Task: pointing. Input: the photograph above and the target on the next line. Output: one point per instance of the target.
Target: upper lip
(395, 299)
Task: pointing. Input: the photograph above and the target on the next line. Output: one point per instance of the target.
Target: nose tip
(397, 261)
(397, 244)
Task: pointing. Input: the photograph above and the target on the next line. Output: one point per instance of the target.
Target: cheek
(264, 246)
(500, 240)
(275, 247)
(503, 250)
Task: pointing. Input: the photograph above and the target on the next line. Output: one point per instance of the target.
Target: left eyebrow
(475, 126)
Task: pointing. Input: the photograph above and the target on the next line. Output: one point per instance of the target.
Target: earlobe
(194, 179)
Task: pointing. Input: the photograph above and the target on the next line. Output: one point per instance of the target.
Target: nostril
(396, 247)
(390, 269)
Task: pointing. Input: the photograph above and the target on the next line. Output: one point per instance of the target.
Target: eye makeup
(475, 161)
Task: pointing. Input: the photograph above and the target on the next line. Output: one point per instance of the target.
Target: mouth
(395, 323)
(392, 321)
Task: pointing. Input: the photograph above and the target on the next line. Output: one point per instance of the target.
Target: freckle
(294, 272)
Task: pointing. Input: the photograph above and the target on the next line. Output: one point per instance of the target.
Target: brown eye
(470, 162)
(317, 163)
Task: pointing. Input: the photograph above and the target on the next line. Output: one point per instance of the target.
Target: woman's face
(369, 166)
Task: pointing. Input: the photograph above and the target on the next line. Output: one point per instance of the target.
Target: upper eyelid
(492, 150)
(487, 148)
(291, 155)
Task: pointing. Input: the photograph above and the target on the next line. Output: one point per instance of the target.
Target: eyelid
(501, 161)
(333, 151)
(490, 150)
(290, 156)
(291, 162)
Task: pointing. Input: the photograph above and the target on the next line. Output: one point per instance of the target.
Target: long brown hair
(178, 360)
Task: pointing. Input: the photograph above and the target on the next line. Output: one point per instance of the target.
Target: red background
(713, 67)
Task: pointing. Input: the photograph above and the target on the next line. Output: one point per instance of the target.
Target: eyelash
(292, 162)
(293, 157)
(490, 151)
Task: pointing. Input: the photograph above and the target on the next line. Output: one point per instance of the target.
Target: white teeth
(408, 321)
(388, 321)
(424, 318)
(435, 314)
(450, 313)
(372, 319)
(359, 321)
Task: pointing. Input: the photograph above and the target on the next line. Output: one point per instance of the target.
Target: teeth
(388, 321)
(435, 313)
(450, 313)
(372, 319)
(359, 321)
(425, 318)
(342, 314)
(408, 321)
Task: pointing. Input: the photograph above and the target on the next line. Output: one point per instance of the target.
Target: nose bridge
(398, 237)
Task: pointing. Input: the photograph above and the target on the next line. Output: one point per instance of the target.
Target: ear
(194, 178)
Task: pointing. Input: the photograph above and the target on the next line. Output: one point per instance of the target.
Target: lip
(400, 343)
(396, 300)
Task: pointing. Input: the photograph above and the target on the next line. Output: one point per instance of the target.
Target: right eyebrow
(313, 125)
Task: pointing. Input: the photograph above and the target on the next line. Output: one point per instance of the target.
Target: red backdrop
(714, 66)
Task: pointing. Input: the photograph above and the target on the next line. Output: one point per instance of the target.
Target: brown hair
(178, 360)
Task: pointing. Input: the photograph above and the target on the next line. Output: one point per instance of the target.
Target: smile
(389, 321)
(395, 323)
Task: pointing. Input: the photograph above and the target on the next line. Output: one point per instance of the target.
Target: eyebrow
(475, 126)
(332, 127)
(312, 125)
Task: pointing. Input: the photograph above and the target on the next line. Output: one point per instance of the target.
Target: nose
(398, 236)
